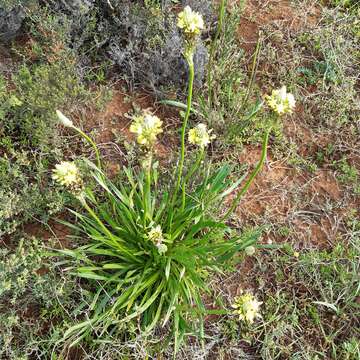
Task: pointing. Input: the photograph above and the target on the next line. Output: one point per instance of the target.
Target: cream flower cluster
(200, 136)
(190, 22)
(281, 101)
(247, 307)
(156, 236)
(67, 174)
(147, 127)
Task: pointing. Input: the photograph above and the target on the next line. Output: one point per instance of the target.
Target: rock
(11, 20)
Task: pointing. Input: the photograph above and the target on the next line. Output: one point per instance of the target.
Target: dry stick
(252, 176)
(253, 71)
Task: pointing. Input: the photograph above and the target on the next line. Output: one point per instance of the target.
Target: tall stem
(252, 176)
(190, 173)
(92, 143)
(147, 190)
(189, 57)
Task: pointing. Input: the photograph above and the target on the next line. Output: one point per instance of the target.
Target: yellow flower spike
(200, 136)
(67, 174)
(147, 127)
(156, 236)
(247, 307)
(281, 101)
(190, 22)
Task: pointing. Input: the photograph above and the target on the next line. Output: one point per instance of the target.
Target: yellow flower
(190, 21)
(281, 101)
(63, 119)
(147, 127)
(250, 250)
(200, 136)
(247, 307)
(156, 236)
(67, 174)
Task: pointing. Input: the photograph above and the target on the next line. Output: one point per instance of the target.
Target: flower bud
(64, 120)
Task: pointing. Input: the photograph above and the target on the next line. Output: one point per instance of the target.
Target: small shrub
(31, 297)
(29, 139)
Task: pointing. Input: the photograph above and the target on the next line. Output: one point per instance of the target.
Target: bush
(30, 142)
(139, 43)
(31, 298)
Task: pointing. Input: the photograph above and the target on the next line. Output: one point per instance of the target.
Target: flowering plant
(149, 248)
(247, 307)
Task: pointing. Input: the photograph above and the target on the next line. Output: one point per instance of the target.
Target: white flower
(162, 248)
(250, 250)
(64, 120)
(190, 21)
(200, 136)
(147, 127)
(247, 307)
(281, 101)
(156, 236)
(67, 174)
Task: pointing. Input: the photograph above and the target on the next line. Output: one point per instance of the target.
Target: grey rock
(11, 20)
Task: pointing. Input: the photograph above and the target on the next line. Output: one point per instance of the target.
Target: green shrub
(32, 299)
(29, 140)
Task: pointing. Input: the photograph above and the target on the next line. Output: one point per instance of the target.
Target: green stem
(252, 176)
(189, 59)
(195, 165)
(93, 144)
(147, 197)
(213, 47)
(190, 174)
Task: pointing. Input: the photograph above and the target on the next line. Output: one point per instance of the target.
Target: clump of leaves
(150, 249)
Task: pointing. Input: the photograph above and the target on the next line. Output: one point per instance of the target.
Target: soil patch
(259, 13)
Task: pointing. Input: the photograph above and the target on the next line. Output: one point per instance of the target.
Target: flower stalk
(65, 121)
(251, 177)
(189, 58)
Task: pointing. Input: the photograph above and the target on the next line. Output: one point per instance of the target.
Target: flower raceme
(146, 127)
(190, 22)
(200, 136)
(247, 307)
(156, 236)
(67, 174)
(281, 101)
